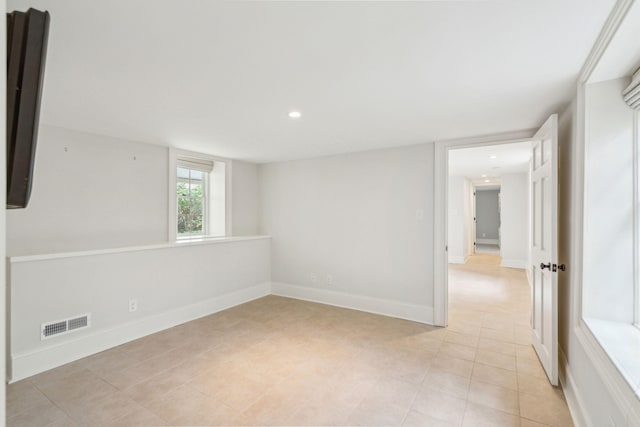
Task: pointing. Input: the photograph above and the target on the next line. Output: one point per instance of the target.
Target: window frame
(205, 201)
(174, 155)
(580, 337)
(600, 339)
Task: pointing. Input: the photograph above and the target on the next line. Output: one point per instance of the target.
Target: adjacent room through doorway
(489, 293)
(488, 205)
(487, 219)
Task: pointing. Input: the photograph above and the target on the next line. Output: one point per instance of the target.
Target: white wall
(94, 191)
(608, 204)
(89, 192)
(364, 218)
(468, 209)
(3, 187)
(586, 388)
(459, 218)
(487, 216)
(566, 211)
(245, 198)
(514, 213)
(172, 284)
(217, 198)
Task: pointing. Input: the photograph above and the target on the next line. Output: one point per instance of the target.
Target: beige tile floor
(277, 361)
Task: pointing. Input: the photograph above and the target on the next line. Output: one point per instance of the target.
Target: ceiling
(489, 163)
(221, 76)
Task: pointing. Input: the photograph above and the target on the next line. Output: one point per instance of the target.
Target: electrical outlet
(314, 277)
(133, 305)
(329, 279)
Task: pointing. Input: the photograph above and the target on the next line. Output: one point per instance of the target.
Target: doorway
(487, 220)
(480, 163)
(489, 204)
(539, 234)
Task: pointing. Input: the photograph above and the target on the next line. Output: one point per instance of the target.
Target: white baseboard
(514, 263)
(416, 313)
(623, 399)
(27, 364)
(572, 394)
(458, 259)
(487, 241)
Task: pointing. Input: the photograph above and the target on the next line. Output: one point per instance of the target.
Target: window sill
(199, 238)
(621, 342)
(180, 243)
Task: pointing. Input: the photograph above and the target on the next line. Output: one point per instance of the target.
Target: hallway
(490, 309)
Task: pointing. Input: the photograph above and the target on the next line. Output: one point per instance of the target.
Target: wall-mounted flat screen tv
(27, 35)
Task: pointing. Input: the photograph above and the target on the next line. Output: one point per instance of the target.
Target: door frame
(441, 210)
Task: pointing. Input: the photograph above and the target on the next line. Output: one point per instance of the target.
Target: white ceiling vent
(61, 327)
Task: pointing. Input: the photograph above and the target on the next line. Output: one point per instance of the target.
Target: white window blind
(632, 93)
(193, 163)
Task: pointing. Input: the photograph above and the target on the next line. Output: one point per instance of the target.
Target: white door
(474, 219)
(544, 245)
(472, 237)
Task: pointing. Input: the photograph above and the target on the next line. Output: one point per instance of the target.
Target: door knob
(543, 266)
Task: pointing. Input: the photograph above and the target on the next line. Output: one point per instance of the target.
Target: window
(191, 192)
(611, 239)
(198, 196)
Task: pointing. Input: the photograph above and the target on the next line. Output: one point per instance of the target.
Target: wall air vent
(54, 329)
(61, 327)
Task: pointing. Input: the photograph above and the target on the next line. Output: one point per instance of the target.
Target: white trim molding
(458, 259)
(615, 386)
(609, 30)
(94, 252)
(572, 394)
(24, 365)
(400, 310)
(440, 237)
(488, 241)
(174, 154)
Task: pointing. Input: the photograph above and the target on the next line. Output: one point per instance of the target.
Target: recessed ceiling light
(493, 157)
(487, 180)
(484, 175)
(295, 114)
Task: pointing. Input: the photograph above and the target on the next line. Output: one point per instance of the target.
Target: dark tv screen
(27, 35)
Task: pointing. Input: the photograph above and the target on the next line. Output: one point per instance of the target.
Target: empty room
(314, 213)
